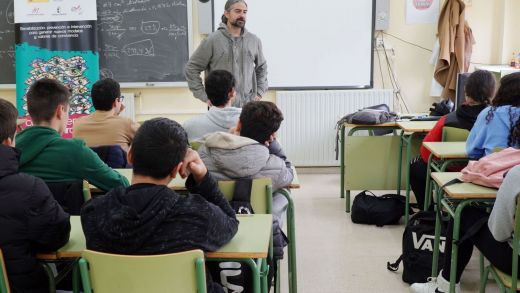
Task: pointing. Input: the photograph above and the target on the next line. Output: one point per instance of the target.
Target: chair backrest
(181, 272)
(516, 238)
(454, 134)
(71, 195)
(113, 155)
(261, 194)
(195, 145)
(4, 282)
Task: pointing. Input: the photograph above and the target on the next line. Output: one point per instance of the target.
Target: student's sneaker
(434, 285)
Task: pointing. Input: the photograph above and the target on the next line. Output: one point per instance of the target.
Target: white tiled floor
(334, 255)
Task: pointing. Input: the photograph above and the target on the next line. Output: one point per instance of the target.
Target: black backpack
(418, 240)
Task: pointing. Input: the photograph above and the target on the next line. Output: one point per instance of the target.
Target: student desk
(354, 153)
(409, 129)
(251, 242)
(445, 153)
(456, 198)
(179, 184)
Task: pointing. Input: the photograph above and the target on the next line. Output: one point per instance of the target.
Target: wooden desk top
(447, 149)
(251, 240)
(416, 126)
(462, 190)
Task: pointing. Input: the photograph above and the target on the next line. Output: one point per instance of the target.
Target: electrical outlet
(380, 42)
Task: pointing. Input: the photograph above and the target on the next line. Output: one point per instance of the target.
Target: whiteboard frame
(372, 48)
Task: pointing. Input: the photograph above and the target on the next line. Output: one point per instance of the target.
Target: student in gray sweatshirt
(220, 88)
(492, 240)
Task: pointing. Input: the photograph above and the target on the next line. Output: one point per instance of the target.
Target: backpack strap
(394, 266)
(451, 182)
(472, 230)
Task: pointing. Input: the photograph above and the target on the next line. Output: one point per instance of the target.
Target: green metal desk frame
(438, 166)
(454, 208)
(406, 139)
(346, 193)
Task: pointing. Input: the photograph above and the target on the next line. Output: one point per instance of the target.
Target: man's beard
(239, 23)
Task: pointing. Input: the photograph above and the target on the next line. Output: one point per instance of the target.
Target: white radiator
(307, 133)
(129, 102)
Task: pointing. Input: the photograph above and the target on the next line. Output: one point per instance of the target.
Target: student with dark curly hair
(479, 88)
(497, 126)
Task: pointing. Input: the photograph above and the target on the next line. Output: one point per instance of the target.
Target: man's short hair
(158, 146)
(44, 97)
(104, 93)
(8, 116)
(260, 120)
(218, 84)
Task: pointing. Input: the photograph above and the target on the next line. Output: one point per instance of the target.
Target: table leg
(454, 245)
(408, 141)
(428, 191)
(255, 270)
(75, 277)
(399, 162)
(438, 207)
(342, 165)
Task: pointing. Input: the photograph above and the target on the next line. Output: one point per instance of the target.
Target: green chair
(454, 134)
(181, 272)
(4, 282)
(504, 280)
(261, 201)
(195, 145)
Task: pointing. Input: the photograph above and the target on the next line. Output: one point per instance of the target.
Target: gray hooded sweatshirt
(217, 119)
(228, 156)
(501, 221)
(242, 56)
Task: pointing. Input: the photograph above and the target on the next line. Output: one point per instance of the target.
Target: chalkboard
(141, 42)
(7, 71)
(144, 42)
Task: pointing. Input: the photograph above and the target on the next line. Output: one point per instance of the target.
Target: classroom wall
(493, 24)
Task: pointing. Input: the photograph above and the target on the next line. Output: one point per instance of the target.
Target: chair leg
(483, 277)
(291, 261)
(50, 276)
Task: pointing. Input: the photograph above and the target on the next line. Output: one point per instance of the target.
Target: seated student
(31, 220)
(105, 126)
(479, 88)
(492, 240)
(48, 156)
(220, 88)
(495, 125)
(148, 217)
(252, 152)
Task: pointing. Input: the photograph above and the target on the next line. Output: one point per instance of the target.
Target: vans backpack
(418, 241)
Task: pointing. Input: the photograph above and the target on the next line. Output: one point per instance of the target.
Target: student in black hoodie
(148, 217)
(31, 220)
(479, 89)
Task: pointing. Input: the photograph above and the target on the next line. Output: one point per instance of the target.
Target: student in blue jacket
(497, 126)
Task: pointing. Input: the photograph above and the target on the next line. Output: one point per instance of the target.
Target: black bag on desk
(418, 239)
(368, 208)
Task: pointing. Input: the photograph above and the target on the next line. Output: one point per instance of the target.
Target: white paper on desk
(422, 11)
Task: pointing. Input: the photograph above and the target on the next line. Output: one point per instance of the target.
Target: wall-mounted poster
(422, 11)
(57, 39)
